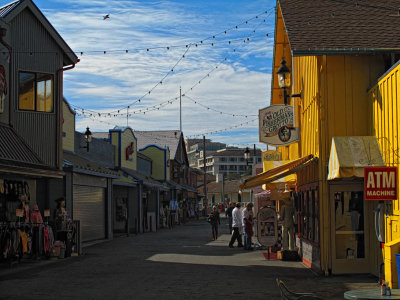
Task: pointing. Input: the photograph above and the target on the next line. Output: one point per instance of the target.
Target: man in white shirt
(236, 226)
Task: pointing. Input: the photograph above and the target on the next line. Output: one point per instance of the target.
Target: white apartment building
(228, 161)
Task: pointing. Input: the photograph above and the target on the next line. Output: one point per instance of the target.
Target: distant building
(194, 148)
(228, 161)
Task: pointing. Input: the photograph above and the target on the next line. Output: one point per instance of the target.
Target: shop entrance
(349, 229)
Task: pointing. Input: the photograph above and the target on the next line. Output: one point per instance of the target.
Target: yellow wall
(384, 102)
(127, 138)
(159, 161)
(68, 128)
(334, 102)
(121, 140)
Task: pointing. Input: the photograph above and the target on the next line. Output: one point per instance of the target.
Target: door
(89, 207)
(349, 229)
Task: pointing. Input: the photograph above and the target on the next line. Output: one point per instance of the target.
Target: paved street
(180, 263)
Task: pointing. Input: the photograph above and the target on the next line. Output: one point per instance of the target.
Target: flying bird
(106, 16)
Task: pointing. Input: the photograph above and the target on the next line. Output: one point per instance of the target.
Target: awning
(278, 172)
(350, 154)
(125, 180)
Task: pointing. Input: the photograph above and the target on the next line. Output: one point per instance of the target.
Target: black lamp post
(88, 138)
(284, 81)
(247, 156)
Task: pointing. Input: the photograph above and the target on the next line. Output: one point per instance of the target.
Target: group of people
(240, 222)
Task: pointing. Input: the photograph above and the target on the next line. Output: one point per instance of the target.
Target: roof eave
(309, 52)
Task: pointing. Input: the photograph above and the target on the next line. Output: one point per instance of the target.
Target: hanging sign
(380, 183)
(129, 151)
(276, 125)
(267, 227)
(19, 213)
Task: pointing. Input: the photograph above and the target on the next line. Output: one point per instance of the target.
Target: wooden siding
(127, 138)
(384, 99)
(34, 50)
(68, 125)
(158, 156)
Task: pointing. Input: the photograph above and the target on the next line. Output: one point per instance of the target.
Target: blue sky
(225, 84)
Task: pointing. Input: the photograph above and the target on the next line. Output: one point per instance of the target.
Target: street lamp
(284, 81)
(247, 155)
(88, 138)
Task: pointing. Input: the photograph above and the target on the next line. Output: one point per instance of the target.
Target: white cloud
(240, 85)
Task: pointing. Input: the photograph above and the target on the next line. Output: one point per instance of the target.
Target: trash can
(398, 268)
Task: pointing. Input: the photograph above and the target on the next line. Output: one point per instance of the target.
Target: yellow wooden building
(384, 100)
(335, 53)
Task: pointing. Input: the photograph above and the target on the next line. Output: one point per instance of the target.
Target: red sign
(129, 151)
(380, 183)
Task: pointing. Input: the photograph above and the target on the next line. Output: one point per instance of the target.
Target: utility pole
(127, 116)
(205, 202)
(180, 109)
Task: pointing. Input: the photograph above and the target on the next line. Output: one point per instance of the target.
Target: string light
(172, 70)
(222, 130)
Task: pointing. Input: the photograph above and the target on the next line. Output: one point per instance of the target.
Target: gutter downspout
(59, 112)
(3, 32)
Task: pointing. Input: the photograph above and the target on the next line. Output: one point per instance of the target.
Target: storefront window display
(309, 216)
(349, 225)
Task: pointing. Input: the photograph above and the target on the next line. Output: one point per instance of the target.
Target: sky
(216, 56)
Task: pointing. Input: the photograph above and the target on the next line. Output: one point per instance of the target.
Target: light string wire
(222, 130)
(155, 107)
(218, 111)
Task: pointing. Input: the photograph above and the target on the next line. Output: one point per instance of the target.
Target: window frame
(35, 92)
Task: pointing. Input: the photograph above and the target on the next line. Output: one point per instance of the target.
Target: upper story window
(36, 92)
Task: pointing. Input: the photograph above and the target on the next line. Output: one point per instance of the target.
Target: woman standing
(214, 220)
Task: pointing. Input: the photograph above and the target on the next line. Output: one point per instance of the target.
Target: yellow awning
(283, 171)
(350, 154)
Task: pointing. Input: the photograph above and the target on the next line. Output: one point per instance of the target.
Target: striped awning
(278, 172)
(350, 154)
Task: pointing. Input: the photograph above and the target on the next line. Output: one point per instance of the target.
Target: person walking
(228, 214)
(247, 215)
(236, 226)
(214, 221)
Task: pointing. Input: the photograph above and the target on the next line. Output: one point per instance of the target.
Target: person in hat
(214, 221)
(236, 226)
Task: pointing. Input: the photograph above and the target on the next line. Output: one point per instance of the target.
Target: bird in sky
(106, 16)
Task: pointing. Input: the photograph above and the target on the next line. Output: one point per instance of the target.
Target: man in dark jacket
(228, 214)
(214, 221)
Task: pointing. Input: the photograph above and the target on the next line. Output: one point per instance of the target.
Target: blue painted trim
(151, 145)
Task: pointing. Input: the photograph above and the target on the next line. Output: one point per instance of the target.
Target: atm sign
(380, 183)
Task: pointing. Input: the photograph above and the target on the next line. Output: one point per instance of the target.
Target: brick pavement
(170, 264)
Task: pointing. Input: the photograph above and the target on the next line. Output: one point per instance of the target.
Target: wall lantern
(88, 138)
(247, 155)
(284, 81)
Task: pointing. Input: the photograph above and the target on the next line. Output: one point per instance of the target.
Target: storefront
(90, 188)
(355, 247)
(125, 205)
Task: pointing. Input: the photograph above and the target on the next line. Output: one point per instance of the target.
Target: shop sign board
(129, 151)
(380, 183)
(276, 125)
(271, 155)
(267, 227)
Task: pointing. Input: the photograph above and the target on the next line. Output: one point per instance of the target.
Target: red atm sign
(380, 183)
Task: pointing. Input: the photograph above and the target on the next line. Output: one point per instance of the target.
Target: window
(308, 202)
(36, 92)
